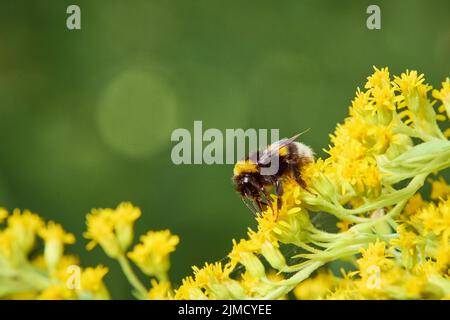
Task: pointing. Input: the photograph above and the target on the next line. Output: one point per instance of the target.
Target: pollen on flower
(3, 214)
(160, 290)
(55, 232)
(317, 287)
(111, 228)
(380, 78)
(152, 254)
(411, 83)
(444, 96)
(92, 278)
(439, 188)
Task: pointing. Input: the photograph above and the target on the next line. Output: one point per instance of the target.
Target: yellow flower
(160, 290)
(410, 84)
(360, 104)
(152, 254)
(3, 214)
(363, 176)
(254, 286)
(56, 292)
(6, 244)
(447, 132)
(413, 95)
(343, 225)
(415, 203)
(112, 228)
(439, 188)
(244, 252)
(214, 280)
(92, 286)
(443, 256)
(65, 267)
(444, 96)
(23, 227)
(55, 237)
(374, 255)
(434, 218)
(214, 272)
(407, 240)
(383, 100)
(190, 290)
(124, 217)
(316, 287)
(380, 78)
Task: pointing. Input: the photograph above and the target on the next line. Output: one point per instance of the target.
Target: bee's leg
(251, 207)
(297, 174)
(279, 192)
(261, 205)
(267, 198)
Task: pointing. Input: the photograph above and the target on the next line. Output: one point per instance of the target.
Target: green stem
(287, 285)
(131, 276)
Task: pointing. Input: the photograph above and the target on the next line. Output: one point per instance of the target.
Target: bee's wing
(272, 150)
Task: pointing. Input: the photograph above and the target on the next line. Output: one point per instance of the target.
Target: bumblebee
(253, 185)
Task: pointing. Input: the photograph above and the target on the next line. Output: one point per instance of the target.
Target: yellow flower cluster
(379, 158)
(392, 239)
(27, 273)
(48, 275)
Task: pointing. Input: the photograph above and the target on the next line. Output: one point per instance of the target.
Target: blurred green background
(86, 116)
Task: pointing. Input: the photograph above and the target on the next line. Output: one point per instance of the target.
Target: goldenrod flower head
(360, 104)
(252, 245)
(91, 282)
(415, 203)
(55, 238)
(420, 111)
(288, 226)
(23, 227)
(255, 286)
(63, 270)
(380, 78)
(243, 252)
(213, 281)
(152, 254)
(343, 226)
(407, 240)
(190, 290)
(57, 291)
(317, 287)
(272, 254)
(434, 218)
(124, 217)
(3, 214)
(439, 188)
(6, 245)
(211, 273)
(160, 290)
(410, 85)
(374, 255)
(363, 176)
(112, 228)
(444, 96)
(383, 101)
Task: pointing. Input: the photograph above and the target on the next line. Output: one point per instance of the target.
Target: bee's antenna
(301, 133)
(251, 208)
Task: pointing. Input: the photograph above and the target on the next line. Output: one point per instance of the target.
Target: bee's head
(247, 184)
(245, 167)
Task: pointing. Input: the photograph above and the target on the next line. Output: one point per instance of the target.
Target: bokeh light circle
(137, 113)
